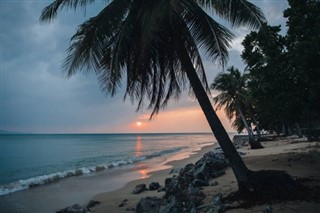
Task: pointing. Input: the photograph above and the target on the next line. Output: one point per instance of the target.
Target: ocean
(30, 160)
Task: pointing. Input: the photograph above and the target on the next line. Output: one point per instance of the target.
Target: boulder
(214, 183)
(179, 207)
(194, 195)
(169, 208)
(216, 205)
(76, 208)
(217, 173)
(148, 205)
(93, 203)
(216, 199)
(122, 204)
(139, 188)
(174, 171)
(199, 183)
(167, 182)
(208, 165)
(172, 186)
(187, 171)
(154, 186)
(268, 209)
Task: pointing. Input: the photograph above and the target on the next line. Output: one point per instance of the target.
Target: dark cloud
(36, 96)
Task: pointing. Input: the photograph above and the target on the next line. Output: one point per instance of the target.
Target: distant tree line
(280, 89)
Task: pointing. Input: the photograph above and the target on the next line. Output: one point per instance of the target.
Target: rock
(240, 140)
(172, 186)
(268, 210)
(148, 205)
(215, 183)
(154, 186)
(122, 204)
(168, 208)
(76, 208)
(216, 199)
(216, 205)
(199, 183)
(130, 209)
(208, 165)
(202, 172)
(217, 173)
(161, 189)
(194, 195)
(139, 188)
(93, 203)
(216, 209)
(187, 170)
(179, 207)
(167, 181)
(186, 176)
(193, 210)
(174, 171)
(242, 153)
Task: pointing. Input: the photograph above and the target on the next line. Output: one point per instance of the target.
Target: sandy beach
(298, 157)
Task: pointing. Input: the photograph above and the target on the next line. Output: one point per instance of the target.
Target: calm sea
(30, 160)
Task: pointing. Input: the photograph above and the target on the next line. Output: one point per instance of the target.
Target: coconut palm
(233, 96)
(154, 45)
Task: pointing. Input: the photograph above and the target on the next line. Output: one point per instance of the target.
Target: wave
(54, 177)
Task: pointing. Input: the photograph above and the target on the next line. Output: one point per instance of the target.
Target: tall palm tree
(233, 94)
(154, 45)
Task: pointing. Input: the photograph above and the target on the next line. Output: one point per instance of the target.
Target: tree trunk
(257, 127)
(239, 168)
(299, 130)
(253, 143)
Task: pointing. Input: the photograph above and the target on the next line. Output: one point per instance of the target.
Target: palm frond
(208, 34)
(88, 45)
(237, 12)
(50, 12)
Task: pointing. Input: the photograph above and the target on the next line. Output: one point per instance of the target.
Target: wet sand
(55, 196)
(297, 156)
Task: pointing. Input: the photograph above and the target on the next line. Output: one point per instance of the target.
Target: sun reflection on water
(138, 147)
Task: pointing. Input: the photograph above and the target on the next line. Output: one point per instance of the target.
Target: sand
(297, 156)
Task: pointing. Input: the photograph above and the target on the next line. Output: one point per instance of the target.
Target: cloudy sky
(36, 97)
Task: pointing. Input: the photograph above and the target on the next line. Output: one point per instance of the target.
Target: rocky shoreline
(202, 182)
(183, 191)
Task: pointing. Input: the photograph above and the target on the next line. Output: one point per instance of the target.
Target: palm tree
(233, 95)
(154, 45)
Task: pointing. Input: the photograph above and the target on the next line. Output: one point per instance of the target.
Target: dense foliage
(284, 70)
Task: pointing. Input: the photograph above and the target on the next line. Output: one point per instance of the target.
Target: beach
(297, 156)
(113, 187)
(59, 170)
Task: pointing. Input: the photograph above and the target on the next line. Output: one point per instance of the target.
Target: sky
(36, 96)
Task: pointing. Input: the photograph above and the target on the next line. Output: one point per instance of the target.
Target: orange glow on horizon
(188, 119)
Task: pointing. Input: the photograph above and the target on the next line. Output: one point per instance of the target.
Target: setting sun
(138, 123)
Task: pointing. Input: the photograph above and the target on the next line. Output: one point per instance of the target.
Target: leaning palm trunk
(253, 143)
(239, 168)
(257, 126)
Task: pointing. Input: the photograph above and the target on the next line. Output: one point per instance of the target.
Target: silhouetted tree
(233, 97)
(155, 45)
(303, 44)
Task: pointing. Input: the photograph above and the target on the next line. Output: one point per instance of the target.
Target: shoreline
(80, 189)
(298, 157)
(125, 192)
(301, 159)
